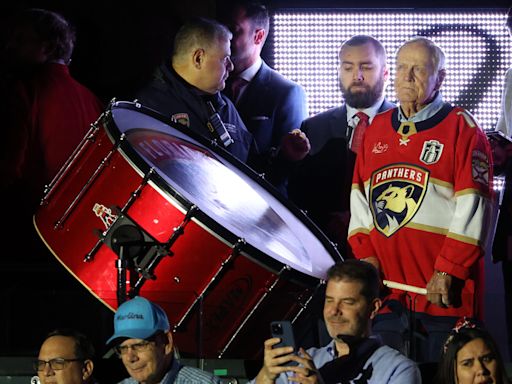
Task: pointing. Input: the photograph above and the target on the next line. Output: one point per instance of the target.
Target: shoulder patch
(480, 167)
(181, 118)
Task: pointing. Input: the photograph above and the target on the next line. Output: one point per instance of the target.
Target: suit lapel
(338, 122)
(260, 81)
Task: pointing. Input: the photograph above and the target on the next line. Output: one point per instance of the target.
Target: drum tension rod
(236, 249)
(133, 196)
(303, 305)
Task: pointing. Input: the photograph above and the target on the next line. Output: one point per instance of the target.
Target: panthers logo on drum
(396, 193)
(105, 214)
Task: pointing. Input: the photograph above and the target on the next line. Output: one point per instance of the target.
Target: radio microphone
(216, 126)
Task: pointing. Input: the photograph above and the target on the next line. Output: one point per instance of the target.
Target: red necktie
(357, 137)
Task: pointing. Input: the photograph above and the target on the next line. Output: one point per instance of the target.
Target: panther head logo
(394, 206)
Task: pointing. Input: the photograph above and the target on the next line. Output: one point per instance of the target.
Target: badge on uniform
(396, 194)
(181, 118)
(480, 165)
(431, 152)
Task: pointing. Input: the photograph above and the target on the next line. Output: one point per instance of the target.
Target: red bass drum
(145, 207)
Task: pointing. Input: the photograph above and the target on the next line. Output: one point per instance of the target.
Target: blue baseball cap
(138, 318)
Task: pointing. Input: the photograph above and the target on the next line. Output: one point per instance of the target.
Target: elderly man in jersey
(420, 199)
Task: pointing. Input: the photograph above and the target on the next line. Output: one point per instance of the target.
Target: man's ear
(198, 58)
(385, 73)
(441, 74)
(259, 36)
(169, 343)
(87, 369)
(375, 307)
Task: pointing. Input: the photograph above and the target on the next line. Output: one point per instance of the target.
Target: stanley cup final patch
(396, 194)
(480, 167)
(431, 152)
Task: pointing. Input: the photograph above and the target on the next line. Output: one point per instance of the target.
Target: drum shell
(219, 301)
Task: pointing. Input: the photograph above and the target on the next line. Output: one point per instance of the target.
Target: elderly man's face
(417, 78)
(73, 372)
(146, 361)
(216, 67)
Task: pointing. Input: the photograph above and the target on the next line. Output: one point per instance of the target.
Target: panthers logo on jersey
(396, 194)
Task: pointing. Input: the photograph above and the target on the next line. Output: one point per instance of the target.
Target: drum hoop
(142, 167)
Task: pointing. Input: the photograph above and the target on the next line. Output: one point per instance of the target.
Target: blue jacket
(173, 97)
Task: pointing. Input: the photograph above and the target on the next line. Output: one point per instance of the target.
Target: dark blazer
(320, 184)
(270, 106)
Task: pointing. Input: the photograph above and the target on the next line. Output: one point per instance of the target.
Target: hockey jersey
(420, 202)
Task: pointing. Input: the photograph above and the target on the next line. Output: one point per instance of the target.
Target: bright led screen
(476, 44)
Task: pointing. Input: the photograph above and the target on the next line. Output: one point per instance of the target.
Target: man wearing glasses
(143, 340)
(65, 357)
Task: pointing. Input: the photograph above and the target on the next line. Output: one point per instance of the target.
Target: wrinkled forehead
(416, 52)
(57, 346)
(131, 341)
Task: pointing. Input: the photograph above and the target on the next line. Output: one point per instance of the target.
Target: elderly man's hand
(295, 145)
(439, 289)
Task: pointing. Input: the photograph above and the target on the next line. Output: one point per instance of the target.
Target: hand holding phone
(284, 331)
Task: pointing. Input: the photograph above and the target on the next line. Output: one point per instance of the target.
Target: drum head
(225, 190)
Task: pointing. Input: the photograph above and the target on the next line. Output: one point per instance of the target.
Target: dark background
(119, 43)
(118, 46)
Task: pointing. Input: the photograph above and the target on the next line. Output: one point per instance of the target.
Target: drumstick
(405, 287)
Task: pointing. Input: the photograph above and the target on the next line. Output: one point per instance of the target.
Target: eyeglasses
(138, 347)
(55, 364)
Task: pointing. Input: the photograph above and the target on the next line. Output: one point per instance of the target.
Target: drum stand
(139, 252)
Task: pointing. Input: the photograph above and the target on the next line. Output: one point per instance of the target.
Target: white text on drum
(162, 149)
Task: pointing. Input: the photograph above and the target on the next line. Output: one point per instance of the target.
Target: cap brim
(131, 334)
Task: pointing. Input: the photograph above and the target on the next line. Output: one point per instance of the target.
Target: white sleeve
(505, 121)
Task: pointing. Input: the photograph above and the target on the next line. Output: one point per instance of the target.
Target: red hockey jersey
(420, 202)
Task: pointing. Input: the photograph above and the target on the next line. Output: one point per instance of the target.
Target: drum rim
(142, 166)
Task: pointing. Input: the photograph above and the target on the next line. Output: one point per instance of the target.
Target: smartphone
(284, 331)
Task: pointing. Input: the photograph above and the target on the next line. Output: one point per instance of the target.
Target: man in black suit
(320, 184)
(270, 105)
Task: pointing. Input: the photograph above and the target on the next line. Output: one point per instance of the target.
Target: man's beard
(363, 99)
